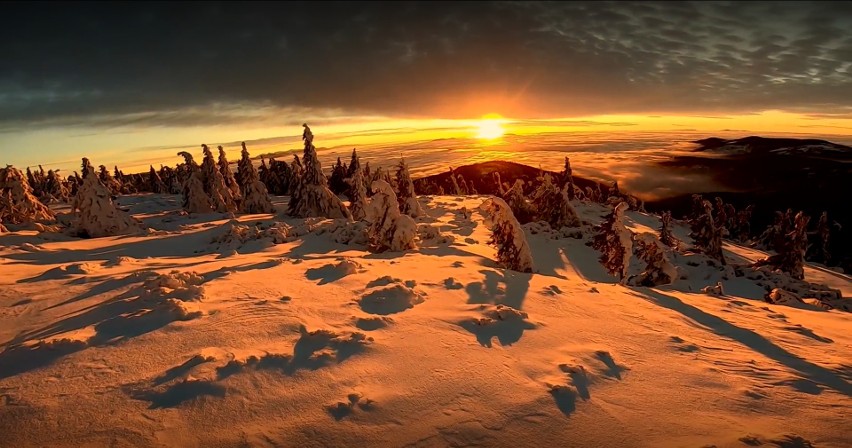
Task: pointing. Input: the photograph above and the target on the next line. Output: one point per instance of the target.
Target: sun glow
(490, 127)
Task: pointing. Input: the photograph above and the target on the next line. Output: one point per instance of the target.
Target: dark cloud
(200, 63)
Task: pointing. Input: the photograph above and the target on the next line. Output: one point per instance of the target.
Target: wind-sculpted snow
(270, 330)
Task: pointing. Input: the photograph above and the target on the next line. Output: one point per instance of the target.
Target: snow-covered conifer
(214, 184)
(455, 189)
(507, 235)
(21, 205)
(568, 179)
(357, 192)
(615, 242)
(823, 234)
(255, 196)
(659, 269)
(500, 189)
(195, 199)
(155, 183)
(98, 215)
(666, 236)
(314, 197)
(523, 211)
(790, 252)
(112, 184)
(337, 181)
(408, 203)
(55, 188)
(553, 206)
(228, 176)
(706, 235)
(389, 229)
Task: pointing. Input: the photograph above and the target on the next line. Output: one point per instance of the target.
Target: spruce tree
(21, 205)
(389, 229)
(507, 235)
(666, 236)
(214, 184)
(98, 215)
(790, 251)
(568, 180)
(313, 198)
(659, 269)
(615, 242)
(255, 197)
(706, 235)
(521, 208)
(228, 176)
(408, 203)
(553, 206)
(337, 181)
(155, 183)
(357, 191)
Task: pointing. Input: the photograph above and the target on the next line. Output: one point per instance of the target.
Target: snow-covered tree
(313, 198)
(337, 181)
(790, 254)
(55, 189)
(507, 235)
(214, 184)
(823, 237)
(155, 183)
(500, 189)
(357, 191)
(522, 210)
(408, 203)
(666, 236)
(98, 215)
(228, 176)
(112, 184)
(389, 229)
(743, 224)
(553, 206)
(454, 184)
(195, 199)
(615, 242)
(706, 235)
(659, 269)
(22, 206)
(255, 196)
(567, 179)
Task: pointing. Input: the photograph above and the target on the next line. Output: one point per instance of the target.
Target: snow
(159, 340)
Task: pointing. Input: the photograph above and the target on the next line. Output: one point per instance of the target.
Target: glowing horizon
(62, 147)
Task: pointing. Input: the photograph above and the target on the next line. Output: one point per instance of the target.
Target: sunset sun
(490, 127)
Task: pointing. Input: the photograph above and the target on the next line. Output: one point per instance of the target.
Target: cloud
(188, 64)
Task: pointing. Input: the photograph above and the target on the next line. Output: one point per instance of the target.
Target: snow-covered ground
(172, 339)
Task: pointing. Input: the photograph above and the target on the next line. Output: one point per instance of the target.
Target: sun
(490, 127)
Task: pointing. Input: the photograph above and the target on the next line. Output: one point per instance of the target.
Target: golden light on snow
(490, 127)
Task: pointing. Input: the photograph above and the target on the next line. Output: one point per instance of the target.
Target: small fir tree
(615, 242)
(389, 229)
(408, 203)
(507, 235)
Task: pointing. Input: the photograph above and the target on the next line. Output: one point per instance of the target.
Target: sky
(128, 83)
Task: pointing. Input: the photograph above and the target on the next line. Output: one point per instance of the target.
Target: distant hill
(781, 146)
(481, 176)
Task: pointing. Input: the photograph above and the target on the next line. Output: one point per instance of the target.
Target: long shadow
(179, 393)
(751, 340)
(179, 246)
(489, 291)
(547, 256)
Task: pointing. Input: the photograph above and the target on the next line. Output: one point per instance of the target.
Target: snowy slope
(316, 343)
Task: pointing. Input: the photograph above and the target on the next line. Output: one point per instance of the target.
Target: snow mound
(372, 323)
(430, 234)
(333, 272)
(503, 322)
(313, 350)
(353, 402)
(390, 300)
(174, 287)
